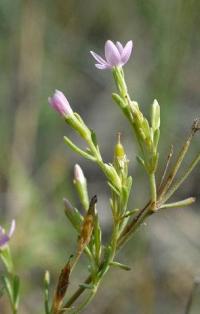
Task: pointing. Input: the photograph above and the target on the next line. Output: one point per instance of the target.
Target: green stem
(78, 292)
(182, 179)
(15, 311)
(135, 223)
(183, 203)
(86, 301)
(101, 271)
(169, 157)
(152, 181)
(177, 165)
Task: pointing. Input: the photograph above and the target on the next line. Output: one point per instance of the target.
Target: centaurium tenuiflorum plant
(126, 218)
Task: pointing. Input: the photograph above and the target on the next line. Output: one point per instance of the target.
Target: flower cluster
(115, 56)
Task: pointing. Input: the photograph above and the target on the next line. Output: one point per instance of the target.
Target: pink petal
(102, 66)
(4, 239)
(60, 103)
(97, 57)
(12, 228)
(127, 51)
(112, 54)
(119, 47)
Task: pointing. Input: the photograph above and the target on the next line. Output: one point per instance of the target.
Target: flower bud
(155, 115)
(119, 149)
(72, 215)
(120, 160)
(81, 186)
(47, 278)
(113, 176)
(78, 174)
(60, 103)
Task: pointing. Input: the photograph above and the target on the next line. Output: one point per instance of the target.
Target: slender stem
(183, 203)
(152, 181)
(182, 179)
(125, 236)
(78, 292)
(166, 166)
(136, 222)
(117, 239)
(101, 271)
(177, 164)
(86, 301)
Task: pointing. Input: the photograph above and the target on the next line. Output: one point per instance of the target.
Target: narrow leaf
(78, 150)
(120, 265)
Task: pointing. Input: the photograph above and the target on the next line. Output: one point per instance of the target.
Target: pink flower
(60, 103)
(5, 237)
(115, 55)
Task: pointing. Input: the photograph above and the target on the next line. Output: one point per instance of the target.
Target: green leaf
(124, 197)
(73, 215)
(141, 134)
(146, 128)
(6, 257)
(141, 162)
(8, 287)
(129, 213)
(119, 100)
(129, 183)
(2, 287)
(16, 290)
(120, 265)
(97, 238)
(113, 188)
(112, 176)
(94, 138)
(78, 150)
(86, 286)
(156, 139)
(153, 163)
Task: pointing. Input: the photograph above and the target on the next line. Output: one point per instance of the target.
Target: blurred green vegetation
(45, 45)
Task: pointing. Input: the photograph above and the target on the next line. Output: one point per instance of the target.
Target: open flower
(115, 55)
(60, 103)
(5, 237)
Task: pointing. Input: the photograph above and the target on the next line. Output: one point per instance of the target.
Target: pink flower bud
(78, 174)
(60, 103)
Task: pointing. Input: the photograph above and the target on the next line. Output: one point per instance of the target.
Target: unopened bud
(155, 115)
(78, 174)
(113, 176)
(60, 103)
(81, 186)
(119, 149)
(47, 278)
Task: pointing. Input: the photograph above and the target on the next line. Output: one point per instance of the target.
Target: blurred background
(45, 45)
